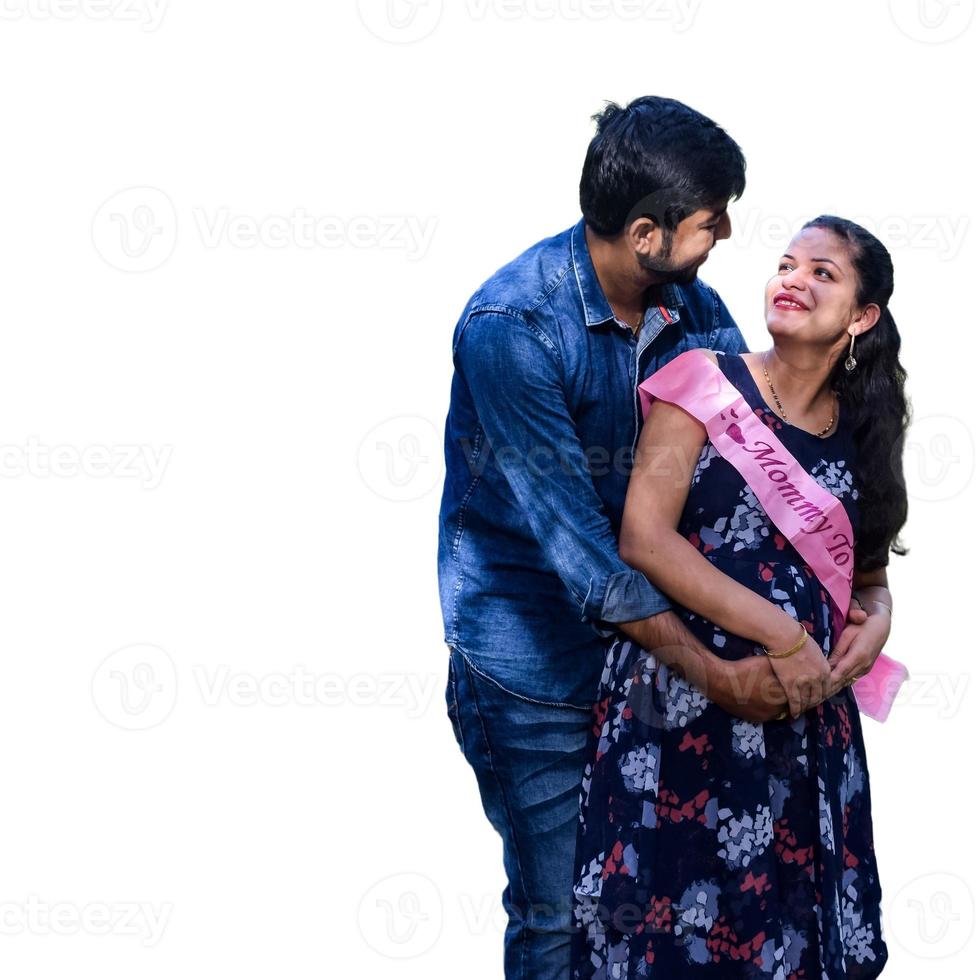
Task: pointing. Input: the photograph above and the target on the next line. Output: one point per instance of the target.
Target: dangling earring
(851, 363)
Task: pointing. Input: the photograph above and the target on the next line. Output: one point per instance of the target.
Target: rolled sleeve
(626, 597)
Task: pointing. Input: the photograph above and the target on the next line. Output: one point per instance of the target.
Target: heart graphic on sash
(692, 381)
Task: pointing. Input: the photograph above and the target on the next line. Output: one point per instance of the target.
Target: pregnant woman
(710, 845)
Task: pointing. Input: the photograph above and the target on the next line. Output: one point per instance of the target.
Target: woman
(710, 845)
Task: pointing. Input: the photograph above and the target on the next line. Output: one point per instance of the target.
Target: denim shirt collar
(595, 306)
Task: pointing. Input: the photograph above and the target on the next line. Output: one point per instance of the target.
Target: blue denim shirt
(543, 423)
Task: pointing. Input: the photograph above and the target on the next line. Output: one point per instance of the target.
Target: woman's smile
(783, 301)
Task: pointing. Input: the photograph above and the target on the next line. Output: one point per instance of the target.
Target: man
(542, 426)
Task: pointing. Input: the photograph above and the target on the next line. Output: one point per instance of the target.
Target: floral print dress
(713, 847)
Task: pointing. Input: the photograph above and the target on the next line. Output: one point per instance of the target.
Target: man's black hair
(657, 157)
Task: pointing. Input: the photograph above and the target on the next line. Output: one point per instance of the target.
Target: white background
(235, 238)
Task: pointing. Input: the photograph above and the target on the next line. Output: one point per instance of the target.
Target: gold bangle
(795, 648)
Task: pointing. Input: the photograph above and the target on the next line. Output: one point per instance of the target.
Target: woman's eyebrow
(786, 255)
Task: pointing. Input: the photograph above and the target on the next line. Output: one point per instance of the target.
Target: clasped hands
(763, 688)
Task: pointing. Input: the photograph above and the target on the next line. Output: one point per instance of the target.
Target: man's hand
(747, 688)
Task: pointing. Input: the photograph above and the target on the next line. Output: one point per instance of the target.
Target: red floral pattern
(713, 847)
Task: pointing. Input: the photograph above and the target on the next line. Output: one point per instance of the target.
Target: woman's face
(812, 297)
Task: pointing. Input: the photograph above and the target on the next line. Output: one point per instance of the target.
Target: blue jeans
(529, 757)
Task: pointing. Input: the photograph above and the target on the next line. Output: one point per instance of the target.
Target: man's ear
(644, 235)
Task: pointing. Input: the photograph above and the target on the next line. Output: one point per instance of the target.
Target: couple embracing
(662, 568)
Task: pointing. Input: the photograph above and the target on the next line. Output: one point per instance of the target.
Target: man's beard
(666, 271)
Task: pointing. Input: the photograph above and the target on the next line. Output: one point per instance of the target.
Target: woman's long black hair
(873, 398)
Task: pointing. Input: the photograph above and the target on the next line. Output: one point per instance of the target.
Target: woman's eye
(826, 272)
(784, 265)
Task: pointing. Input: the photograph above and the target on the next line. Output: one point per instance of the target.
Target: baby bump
(793, 587)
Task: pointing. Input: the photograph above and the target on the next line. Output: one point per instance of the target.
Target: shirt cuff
(626, 597)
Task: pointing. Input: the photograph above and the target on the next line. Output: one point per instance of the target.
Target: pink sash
(810, 517)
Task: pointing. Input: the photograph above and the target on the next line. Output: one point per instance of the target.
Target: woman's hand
(856, 614)
(804, 675)
(857, 649)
